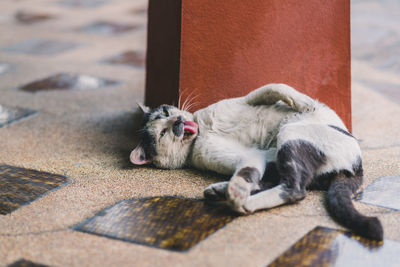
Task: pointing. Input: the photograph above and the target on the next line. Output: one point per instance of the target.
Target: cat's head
(166, 137)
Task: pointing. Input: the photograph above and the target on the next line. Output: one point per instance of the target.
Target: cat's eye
(163, 132)
(165, 112)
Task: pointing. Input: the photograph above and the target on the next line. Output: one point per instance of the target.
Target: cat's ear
(143, 108)
(138, 156)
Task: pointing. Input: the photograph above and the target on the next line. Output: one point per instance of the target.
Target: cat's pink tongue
(190, 126)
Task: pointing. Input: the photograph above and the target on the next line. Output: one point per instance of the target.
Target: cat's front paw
(216, 192)
(237, 193)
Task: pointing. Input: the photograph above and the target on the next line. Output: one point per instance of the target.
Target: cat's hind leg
(267, 199)
(217, 192)
(296, 162)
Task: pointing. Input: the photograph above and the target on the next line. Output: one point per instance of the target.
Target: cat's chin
(177, 161)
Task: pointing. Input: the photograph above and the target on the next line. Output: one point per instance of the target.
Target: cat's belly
(252, 126)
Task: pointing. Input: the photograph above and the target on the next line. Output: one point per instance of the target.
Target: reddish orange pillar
(208, 50)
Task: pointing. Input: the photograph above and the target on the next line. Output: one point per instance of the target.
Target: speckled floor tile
(131, 58)
(165, 222)
(9, 115)
(328, 247)
(27, 17)
(20, 186)
(83, 3)
(37, 46)
(383, 192)
(108, 28)
(25, 263)
(68, 81)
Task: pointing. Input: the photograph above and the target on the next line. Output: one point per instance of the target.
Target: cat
(274, 143)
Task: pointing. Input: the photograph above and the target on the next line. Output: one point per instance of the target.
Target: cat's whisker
(189, 102)
(179, 101)
(192, 103)
(189, 97)
(183, 106)
(191, 106)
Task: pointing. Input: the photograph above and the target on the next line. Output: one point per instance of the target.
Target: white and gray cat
(274, 143)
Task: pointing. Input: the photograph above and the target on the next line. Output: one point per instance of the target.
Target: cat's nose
(179, 119)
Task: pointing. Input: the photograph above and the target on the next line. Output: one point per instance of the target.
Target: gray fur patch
(250, 175)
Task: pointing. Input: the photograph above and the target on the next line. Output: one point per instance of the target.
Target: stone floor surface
(70, 74)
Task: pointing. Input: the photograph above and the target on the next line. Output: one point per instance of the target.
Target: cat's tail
(341, 208)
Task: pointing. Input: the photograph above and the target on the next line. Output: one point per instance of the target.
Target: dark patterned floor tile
(68, 81)
(83, 3)
(131, 58)
(165, 222)
(9, 115)
(20, 186)
(4, 67)
(25, 263)
(139, 10)
(328, 247)
(108, 28)
(27, 17)
(38, 46)
(383, 192)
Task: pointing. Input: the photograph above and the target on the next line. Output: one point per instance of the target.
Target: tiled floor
(131, 58)
(108, 28)
(65, 81)
(19, 186)
(164, 222)
(25, 263)
(37, 46)
(87, 135)
(4, 67)
(9, 115)
(383, 192)
(376, 42)
(83, 3)
(30, 17)
(328, 247)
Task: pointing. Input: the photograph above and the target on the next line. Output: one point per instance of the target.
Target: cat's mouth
(190, 129)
